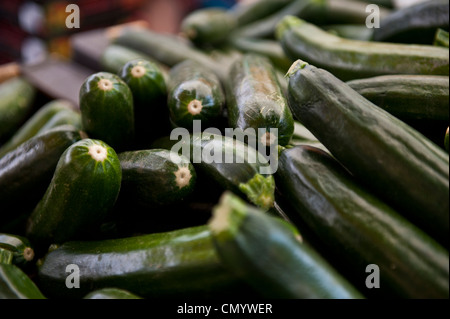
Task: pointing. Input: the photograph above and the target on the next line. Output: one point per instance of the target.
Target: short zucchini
(20, 247)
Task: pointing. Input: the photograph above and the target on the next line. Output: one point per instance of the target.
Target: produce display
(280, 149)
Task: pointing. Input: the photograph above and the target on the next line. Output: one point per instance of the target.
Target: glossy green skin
(15, 284)
(80, 195)
(111, 293)
(29, 168)
(379, 149)
(352, 59)
(208, 26)
(64, 117)
(108, 115)
(266, 252)
(19, 246)
(359, 229)
(190, 81)
(34, 124)
(151, 115)
(417, 97)
(250, 12)
(149, 178)
(16, 102)
(255, 99)
(441, 38)
(181, 263)
(414, 24)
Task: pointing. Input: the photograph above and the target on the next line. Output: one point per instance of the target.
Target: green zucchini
(181, 263)
(148, 85)
(195, 93)
(359, 229)
(84, 188)
(441, 38)
(379, 149)
(17, 96)
(15, 284)
(268, 254)
(107, 110)
(346, 12)
(208, 26)
(34, 124)
(64, 117)
(352, 59)
(255, 99)
(111, 293)
(414, 24)
(28, 169)
(247, 12)
(157, 177)
(302, 136)
(20, 247)
(418, 97)
(351, 31)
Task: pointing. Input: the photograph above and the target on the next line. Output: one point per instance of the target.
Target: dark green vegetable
(420, 97)
(302, 136)
(16, 102)
(107, 110)
(255, 100)
(83, 190)
(390, 157)
(181, 263)
(19, 246)
(15, 284)
(359, 229)
(351, 31)
(352, 59)
(268, 253)
(250, 11)
(111, 293)
(195, 93)
(346, 12)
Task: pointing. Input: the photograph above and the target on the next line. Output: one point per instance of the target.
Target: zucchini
(268, 254)
(408, 97)
(208, 26)
(28, 169)
(250, 11)
(414, 24)
(157, 177)
(107, 110)
(148, 85)
(346, 12)
(195, 93)
(111, 293)
(255, 99)
(15, 284)
(441, 38)
(302, 136)
(351, 31)
(352, 59)
(34, 124)
(19, 246)
(379, 149)
(17, 97)
(359, 229)
(84, 188)
(181, 263)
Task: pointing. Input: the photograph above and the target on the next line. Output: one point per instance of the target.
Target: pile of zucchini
(101, 201)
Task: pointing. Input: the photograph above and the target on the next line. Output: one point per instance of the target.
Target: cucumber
(379, 149)
(352, 59)
(268, 254)
(19, 246)
(111, 293)
(157, 177)
(195, 93)
(84, 188)
(181, 263)
(255, 99)
(441, 38)
(15, 284)
(250, 11)
(107, 110)
(28, 169)
(148, 85)
(17, 97)
(208, 26)
(359, 229)
(418, 97)
(34, 124)
(414, 24)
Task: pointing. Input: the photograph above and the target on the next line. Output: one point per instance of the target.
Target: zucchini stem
(260, 191)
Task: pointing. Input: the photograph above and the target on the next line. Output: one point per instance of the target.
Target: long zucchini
(359, 229)
(352, 59)
(267, 253)
(394, 160)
